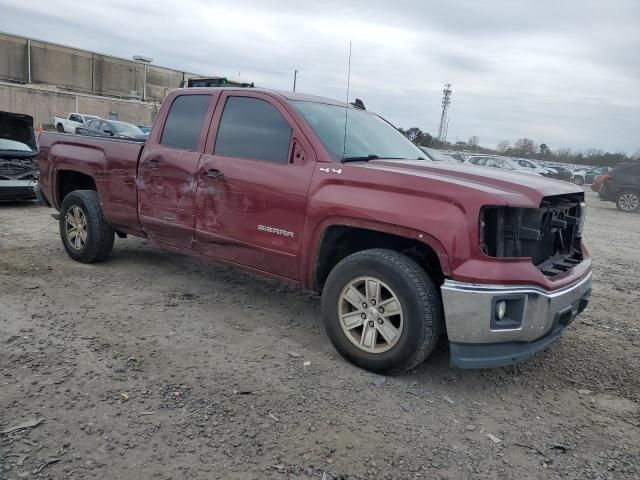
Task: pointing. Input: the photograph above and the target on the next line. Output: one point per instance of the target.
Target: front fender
(431, 218)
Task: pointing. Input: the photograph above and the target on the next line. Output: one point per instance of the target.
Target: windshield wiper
(359, 159)
(373, 157)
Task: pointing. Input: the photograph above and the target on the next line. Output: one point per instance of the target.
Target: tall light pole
(444, 121)
(295, 77)
(146, 61)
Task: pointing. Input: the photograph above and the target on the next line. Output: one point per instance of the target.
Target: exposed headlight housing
(549, 235)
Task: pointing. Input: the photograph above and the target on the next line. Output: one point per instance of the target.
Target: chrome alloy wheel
(76, 227)
(628, 202)
(370, 314)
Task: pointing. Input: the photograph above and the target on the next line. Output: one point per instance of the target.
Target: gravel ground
(153, 365)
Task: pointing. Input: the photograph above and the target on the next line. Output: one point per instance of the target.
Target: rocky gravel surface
(155, 366)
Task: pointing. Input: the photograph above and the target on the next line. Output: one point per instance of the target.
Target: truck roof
(282, 93)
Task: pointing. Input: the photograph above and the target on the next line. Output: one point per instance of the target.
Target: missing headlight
(549, 235)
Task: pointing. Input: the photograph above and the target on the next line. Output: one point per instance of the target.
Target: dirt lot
(153, 365)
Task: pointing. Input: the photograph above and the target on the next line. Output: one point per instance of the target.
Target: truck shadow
(288, 308)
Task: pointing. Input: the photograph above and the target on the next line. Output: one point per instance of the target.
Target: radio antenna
(346, 109)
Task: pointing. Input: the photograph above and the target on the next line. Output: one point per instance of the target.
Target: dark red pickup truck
(333, 198)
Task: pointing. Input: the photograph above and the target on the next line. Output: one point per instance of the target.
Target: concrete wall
(13, 58)
(43, 104)
(83, 71)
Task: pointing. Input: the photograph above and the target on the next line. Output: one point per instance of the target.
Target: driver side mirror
(108, 132)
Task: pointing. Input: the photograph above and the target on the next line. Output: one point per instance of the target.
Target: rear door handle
(152, 164)
(214, 173)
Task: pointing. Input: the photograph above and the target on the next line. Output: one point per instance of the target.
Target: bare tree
(524, 147)
(563, 154)
(503, 146)
(473, 142)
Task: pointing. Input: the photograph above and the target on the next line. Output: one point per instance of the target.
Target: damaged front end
(550, 235)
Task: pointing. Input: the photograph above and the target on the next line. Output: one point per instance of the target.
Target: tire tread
(425, 291)
(101, 235)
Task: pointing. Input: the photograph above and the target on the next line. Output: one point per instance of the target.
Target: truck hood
(17, 139)
(509, 187)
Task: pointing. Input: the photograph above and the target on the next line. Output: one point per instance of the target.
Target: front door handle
(214, 173)
(152, 164)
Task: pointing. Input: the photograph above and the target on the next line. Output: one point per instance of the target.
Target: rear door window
(184, 122)
(253, 128)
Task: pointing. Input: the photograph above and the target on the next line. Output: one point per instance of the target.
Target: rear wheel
(628, 201)
(60, 128)
(381, 311)
(85, 234)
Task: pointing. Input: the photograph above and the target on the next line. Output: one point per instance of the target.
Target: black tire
(578, 180)
(628, 201)
(60, 128)
(418, 297)
(99, 234)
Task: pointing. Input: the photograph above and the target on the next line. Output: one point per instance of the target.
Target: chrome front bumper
(539, 316)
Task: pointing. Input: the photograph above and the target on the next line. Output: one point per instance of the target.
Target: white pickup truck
(69, 124)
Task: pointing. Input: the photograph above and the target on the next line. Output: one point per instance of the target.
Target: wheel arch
(66, 181)
(336, 238)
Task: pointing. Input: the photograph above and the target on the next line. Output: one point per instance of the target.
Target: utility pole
(295, 77)
(444, 121)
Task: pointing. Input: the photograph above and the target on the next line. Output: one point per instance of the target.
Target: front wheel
(85, 234)
(628, 201)
(381, 311)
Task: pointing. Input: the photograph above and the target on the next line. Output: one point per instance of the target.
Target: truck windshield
(367, 135)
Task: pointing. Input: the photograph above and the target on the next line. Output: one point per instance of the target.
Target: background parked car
(587, 175)
(111, 128)
(437, 155)
(531, 164)
(563, 173)
(500, 162)
(622, 185)
(73, 120)
(18, 149)
(597, 182)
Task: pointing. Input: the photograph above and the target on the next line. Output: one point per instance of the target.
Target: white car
(532, 164)
(438, 155)
(73, 120)
(500, 162)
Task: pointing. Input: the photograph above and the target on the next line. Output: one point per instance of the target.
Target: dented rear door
(167, 170)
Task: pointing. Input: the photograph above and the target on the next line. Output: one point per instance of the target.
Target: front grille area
(549, 235)
(14, 170)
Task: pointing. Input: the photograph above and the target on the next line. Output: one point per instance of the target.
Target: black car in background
(563, 173)
(99, 127)
(18, 149)
(622, 186)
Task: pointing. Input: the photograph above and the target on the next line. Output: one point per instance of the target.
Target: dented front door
(251, 208)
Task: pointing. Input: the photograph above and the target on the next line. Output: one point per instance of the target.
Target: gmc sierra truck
(332, 197)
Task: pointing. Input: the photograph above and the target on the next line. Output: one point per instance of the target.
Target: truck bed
(112, 163)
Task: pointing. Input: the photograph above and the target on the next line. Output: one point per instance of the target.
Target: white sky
(565, 72)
